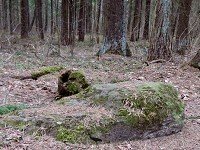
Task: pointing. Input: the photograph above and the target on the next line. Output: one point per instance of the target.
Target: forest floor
(22, 58)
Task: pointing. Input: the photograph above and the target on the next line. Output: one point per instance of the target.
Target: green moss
(71, 135)
(10, 108)
(153, 103)
(78, 77)
(45, 70)
(73, 87)
(19, 124)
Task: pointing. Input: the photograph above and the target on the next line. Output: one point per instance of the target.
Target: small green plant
(10, 108)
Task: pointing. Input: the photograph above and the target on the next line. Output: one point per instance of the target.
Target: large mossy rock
(108, 113)
(71, 82)
(139, 111)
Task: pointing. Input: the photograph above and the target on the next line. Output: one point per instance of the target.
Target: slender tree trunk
(98, 20)
(5, 14)
(115, 28)
(33, 19)
(57, 7)
(39, 18)
(1, 14)
(160, 46)
(52, 21)
(10, 17)
(71, 21)
(28, 14)
(89, 16)
(81, 21)
(24, 19)
(136, 21)
(46, 15)
(130, 15)
(147, 16)
(182, 41)
(64, 23)
(17, 12)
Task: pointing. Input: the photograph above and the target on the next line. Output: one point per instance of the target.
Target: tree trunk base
(115, 49)
(195, 62)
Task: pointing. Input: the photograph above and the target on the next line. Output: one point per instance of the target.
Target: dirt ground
(22, 58)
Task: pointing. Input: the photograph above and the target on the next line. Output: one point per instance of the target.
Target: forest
(100, 74)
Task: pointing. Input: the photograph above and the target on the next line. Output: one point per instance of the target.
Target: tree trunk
(147, 16)
(130, 15)
(195, 62)
(10, 17)
(115, 28)
(81, 21)
(56, 17)
(136, 21)
(72, 6)
(1, 14)
(182, 41)
(160, 46)
(24, 19)
(89, 16)
(39, 18)
(98, 20)
(64, 23)
(52, 18)
(46, 15)
(33, 19)
(5, 14)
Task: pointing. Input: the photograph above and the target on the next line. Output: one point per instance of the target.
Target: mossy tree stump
(71, 82)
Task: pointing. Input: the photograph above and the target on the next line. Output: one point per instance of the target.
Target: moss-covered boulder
(107, 113)
(71, 82)
(139, 111)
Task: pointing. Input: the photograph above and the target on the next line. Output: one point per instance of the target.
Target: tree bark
(88, 16)
(5, 14)
(56, 16)
(136, 21)
(182, 41)
(39, 18)
(52, 21)
(160, 45)
(64, 23)
(46, 15)
(115, 28)
(10, 16)
(24, 19)
(81, 21)
(98, 20)
(1, 14)
(147, 16)
(33, 20)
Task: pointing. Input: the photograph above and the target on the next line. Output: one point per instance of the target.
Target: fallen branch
(155, 61)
